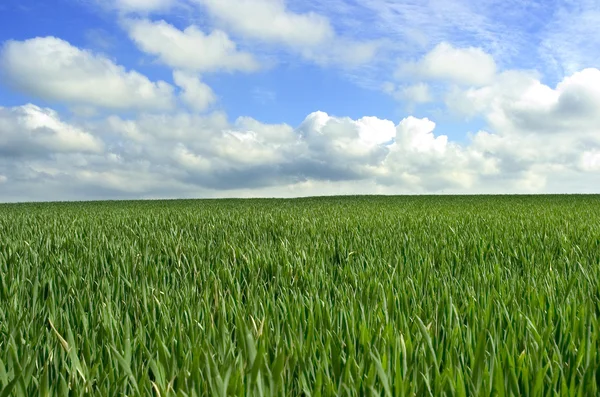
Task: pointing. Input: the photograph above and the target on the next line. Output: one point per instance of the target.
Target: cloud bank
(540, 139)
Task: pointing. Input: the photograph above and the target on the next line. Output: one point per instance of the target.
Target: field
(456, 296)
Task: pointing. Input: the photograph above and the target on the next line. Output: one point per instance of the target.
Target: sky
(147, 99)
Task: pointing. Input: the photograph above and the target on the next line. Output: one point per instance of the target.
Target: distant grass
(456, 296)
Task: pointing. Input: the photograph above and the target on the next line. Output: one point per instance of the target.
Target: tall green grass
(456, 296)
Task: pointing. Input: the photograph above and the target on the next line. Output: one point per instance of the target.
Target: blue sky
(383, 96)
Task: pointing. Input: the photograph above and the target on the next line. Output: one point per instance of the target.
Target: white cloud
(335, 148)
(190, 49)
(269, 20)
(590, 160)
(418, 93)
(275, 134)
(309, 34)
(52, 69)
(543, 134)
(507, 87)
(416, 135)
(415, 93)
(518, 102)
(466, 66)
(196, 94)
(31, 130)
(424, 162)
(579, 95)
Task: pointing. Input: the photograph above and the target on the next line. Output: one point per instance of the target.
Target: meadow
(386, 296)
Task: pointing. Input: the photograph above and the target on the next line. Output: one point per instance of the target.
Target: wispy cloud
(263, 96)
(554, 36)
(99, 39)
(570, 41)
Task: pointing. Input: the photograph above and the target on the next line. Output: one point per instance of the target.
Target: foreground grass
(327, 296)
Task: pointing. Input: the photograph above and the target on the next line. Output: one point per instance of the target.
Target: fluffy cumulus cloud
(269, 20)
(54, 70)
(190, 49)
(539, 139)
(517, 102)
(32, 131)
(538, 131)
(465, 66)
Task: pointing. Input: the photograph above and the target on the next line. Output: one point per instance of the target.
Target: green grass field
(456, 296)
